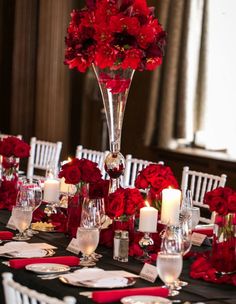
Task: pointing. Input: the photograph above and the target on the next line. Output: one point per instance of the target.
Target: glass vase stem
(114, 86)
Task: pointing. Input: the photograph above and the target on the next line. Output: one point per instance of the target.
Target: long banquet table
(196, 291)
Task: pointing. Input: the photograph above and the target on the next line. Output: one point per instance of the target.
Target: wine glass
(88, 239)
(195, 216)
(169, 267)
(22, 215)
(35, 198)
(93, 215)
(177, 239)
(90, 214)
(186, 206)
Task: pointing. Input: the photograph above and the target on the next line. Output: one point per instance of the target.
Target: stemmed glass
(35, 198)
(177, 239)
(22, 215)
(93, 215)
(169, 267)
(195, 216)
(88, 239)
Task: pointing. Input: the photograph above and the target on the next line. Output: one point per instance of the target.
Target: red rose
(219, 204)
(72, 175)
(133, 201)
(115, 207)
(6, 149)
(22, 150)
(141, 181)
(90, 173)
(232, 203)
(99, 189)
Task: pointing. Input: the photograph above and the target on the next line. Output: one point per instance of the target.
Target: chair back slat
(42, 155)
(93, 155)
(16, 293)
(199, 183)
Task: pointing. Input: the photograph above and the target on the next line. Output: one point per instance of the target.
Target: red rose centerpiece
(122, 206)
(222, 201)
(78, 172)
(11, 149)
(154, 178)
(116, 37)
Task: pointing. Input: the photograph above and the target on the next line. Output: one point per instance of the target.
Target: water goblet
(34, 191)
(22, 215)
(93, 215)
(88, 239)
(177, 239)
(169, 267)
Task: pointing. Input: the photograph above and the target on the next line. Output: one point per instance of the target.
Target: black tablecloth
(196, 291)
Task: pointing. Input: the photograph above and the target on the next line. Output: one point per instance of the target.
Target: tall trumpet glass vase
(114, 86)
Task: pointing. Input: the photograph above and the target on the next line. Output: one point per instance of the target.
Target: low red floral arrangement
(78, 172)
(13, 146)
(219, 265)
(155, 178)
(124, 203)
(11, 149)
(118, 34)
(8, 194)
(122, 206)
(221, 200)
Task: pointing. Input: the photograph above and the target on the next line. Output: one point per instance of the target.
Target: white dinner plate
(144, 300)
(43, 268)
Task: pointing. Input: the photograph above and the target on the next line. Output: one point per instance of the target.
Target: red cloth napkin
(117, 294)
(208, 232)
(6, 235)
(66, 260)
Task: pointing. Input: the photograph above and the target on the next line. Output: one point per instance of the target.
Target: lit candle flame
(69, 159)
(147, 204)
(50, 175)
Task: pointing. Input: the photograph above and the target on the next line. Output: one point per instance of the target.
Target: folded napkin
(31, 253)
(66, 260)
(117, 294)
(110, 282)
(96, 277)
(207, 231)
(6, 235)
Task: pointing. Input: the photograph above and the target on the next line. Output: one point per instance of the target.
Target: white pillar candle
(148, 219)
(170, 207)
(51, 190)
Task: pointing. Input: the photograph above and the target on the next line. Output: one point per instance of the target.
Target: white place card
(149, 273)
(11, 224)
(73, 246)
(198, 238)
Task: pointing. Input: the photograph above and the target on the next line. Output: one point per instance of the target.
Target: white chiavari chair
(132, 167)
(199, 183)
(42, 155)
(2, 136)
(93, 155)
(16, 293)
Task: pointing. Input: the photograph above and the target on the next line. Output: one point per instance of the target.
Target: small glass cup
(88, 239)
(22, 216)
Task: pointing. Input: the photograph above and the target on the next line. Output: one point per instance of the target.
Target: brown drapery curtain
(177, 89)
